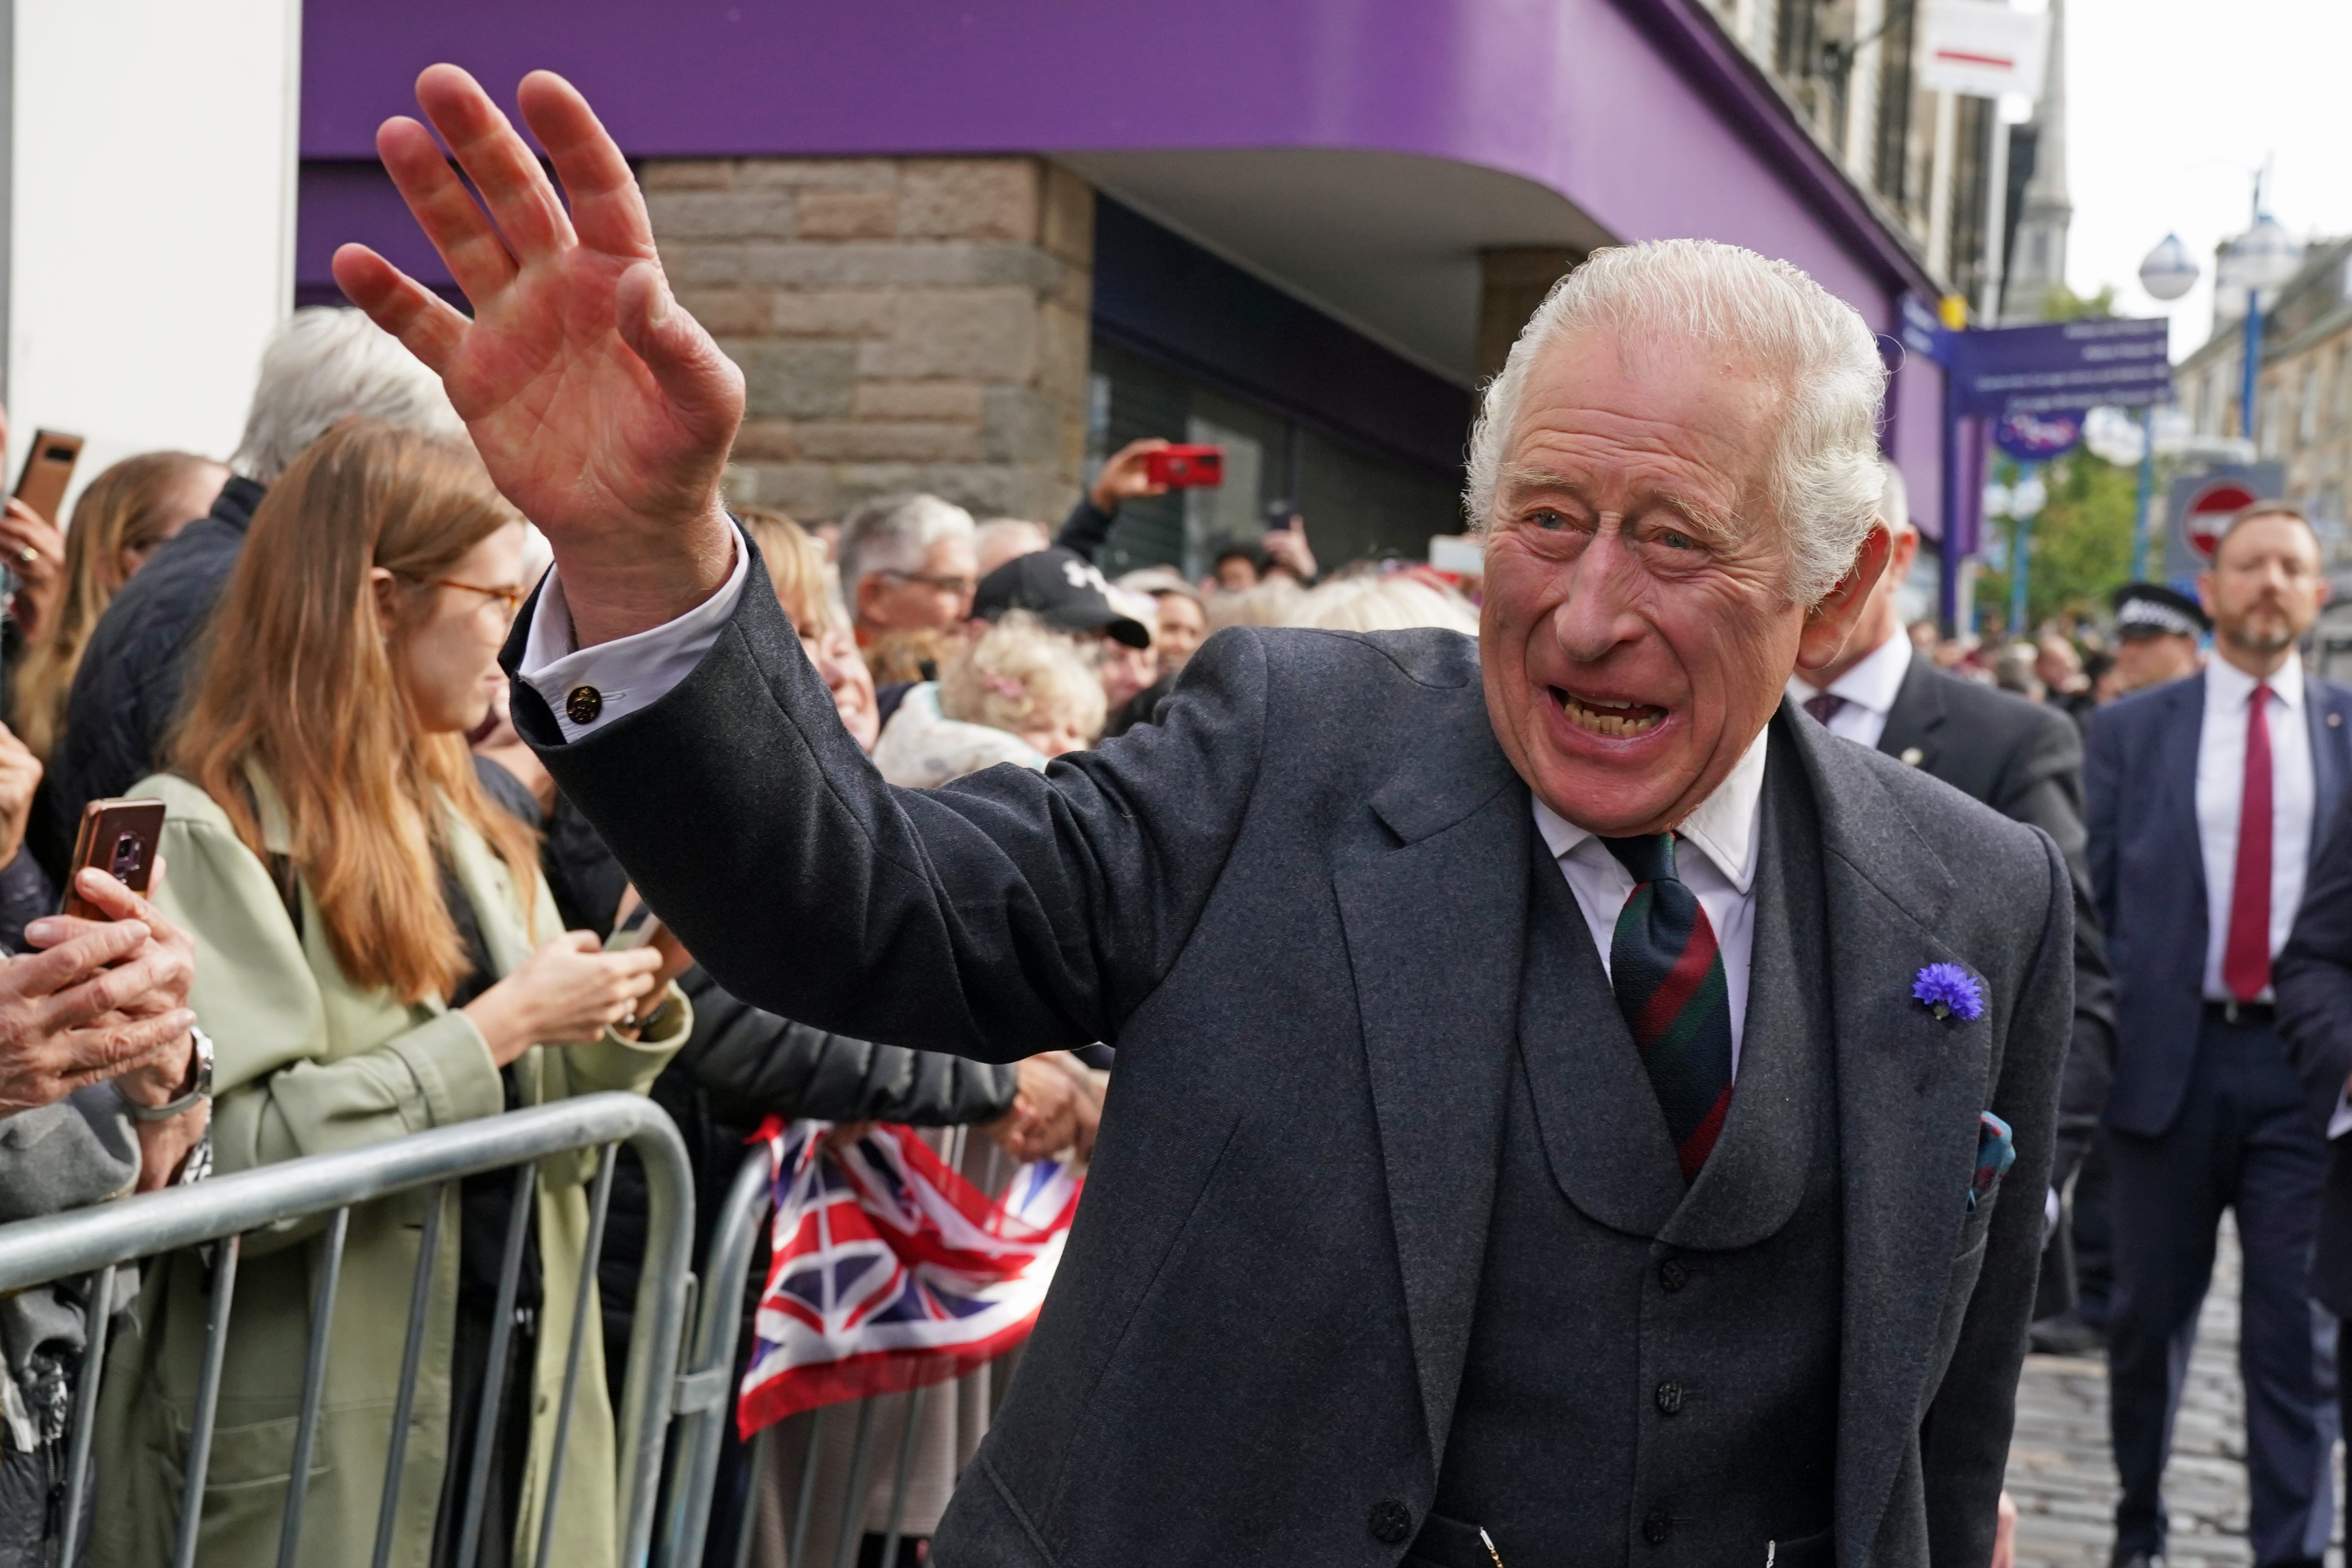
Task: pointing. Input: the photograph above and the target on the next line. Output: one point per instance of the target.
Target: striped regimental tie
(1668, 975)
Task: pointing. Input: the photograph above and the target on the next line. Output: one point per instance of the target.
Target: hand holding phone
(1186, 468)
(118, 837)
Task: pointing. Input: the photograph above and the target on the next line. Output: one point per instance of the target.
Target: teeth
(1610, 717)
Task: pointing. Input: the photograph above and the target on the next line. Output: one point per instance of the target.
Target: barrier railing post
(583, 1303)
(85, 1410)
(707, 1385)
(420, 1297)
(314, 1386)
(208, 1381)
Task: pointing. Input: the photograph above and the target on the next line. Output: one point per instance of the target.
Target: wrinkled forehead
(1652, 409)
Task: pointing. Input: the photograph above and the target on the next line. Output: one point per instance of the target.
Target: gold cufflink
(585, 703)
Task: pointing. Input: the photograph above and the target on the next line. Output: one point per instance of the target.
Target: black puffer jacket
(127, 691)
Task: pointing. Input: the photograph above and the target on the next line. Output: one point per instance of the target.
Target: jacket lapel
(2177, 785)
(1435, 928)
(1910, 1090)
(2323, 711)
(1917, 714)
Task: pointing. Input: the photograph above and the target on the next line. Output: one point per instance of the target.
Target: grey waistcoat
(1653, 1371)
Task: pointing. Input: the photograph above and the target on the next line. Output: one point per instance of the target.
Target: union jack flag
(890, 1272)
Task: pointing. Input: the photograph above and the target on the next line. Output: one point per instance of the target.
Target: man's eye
(1545, 518)
(1673, 538)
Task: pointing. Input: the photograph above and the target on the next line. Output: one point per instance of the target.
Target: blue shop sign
(2061, 368)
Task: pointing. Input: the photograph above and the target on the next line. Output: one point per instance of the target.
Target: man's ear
(2205, 590)
(1829, 622)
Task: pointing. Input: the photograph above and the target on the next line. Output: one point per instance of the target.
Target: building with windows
(2303, 401)
(973, 248)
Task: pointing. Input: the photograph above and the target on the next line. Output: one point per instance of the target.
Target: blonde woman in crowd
(1022, 694)
(377, 954)
(1376, 601)
(122, 517)
(808, 588)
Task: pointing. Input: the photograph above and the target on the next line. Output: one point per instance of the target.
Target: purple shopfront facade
(1639, 114)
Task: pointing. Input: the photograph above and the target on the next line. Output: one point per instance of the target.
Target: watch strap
(194, 1089)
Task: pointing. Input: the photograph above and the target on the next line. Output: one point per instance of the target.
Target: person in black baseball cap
(1060, 588)
(2158, 633)
(1065, 591)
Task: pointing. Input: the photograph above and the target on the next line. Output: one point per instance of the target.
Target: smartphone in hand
(48, 470)
(635, 929)
(118, 837)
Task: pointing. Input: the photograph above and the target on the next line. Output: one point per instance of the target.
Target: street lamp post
(2167, 272)
(2264, 258)
(2025, 501)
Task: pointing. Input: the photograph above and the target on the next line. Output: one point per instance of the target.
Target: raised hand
(602, 409)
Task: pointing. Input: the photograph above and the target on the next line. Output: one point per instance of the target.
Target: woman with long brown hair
(119, 519)
(376, 954)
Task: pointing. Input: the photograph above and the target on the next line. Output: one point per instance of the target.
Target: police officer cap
(2151, 609)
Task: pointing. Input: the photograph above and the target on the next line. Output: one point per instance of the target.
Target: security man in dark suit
(2025, 760)
(1563, 1095)
(2313, 978)
(2207, 799)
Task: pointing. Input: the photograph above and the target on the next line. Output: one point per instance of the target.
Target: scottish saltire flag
(890, 1272)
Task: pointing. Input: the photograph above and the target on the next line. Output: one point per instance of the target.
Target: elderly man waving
(1563, 1094)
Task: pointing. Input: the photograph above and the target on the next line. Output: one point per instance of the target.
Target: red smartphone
(1186, 468)
(48, 471)
(117, 837)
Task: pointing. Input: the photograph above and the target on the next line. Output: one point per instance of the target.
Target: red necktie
(2246, 961)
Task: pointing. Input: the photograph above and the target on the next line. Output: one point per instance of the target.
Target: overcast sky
(2171, 105)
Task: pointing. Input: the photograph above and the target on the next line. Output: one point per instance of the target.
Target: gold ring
(28, 554)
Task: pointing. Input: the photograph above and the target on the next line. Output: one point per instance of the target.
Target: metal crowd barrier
(706, 1400)
(95, 1241)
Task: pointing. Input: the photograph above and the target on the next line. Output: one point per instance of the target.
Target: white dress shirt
(628, 673)
(2221, 780)
(1869, 689)
(1725, 829)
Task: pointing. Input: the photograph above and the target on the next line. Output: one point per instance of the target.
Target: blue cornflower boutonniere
(1948, 991)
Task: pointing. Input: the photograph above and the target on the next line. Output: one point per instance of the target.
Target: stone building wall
(903, 323)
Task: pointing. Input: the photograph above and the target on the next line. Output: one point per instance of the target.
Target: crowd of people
(375, 899)
(374, 911)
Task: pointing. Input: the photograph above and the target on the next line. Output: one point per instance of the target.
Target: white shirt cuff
(628, 673)
(2341, 1122)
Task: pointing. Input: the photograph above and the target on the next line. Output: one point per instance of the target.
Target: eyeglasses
(957, 586)
(509, 598)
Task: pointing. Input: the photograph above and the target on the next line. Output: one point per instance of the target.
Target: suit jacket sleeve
(2313, 976)
(1006, 914)
(1964, 1440)
(2044, 786)
(2103, 773)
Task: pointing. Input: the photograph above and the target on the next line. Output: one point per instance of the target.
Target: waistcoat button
(1674, 1274)
(1670, 1398)
(1392, 1522)
(1658, 1528)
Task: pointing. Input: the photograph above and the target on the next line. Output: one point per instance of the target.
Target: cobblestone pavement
(2063, 1479)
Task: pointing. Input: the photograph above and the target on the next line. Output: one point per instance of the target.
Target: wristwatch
(195, 1089)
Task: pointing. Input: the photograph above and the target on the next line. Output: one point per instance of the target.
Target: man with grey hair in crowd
(1563, 1095)
(324, 365)
(908, 563)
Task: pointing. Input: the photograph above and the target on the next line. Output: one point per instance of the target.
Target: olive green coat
(308, 1063)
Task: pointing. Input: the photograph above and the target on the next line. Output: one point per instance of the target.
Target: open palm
(602, 410)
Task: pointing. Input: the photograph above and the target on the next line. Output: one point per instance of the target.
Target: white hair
(891, 534)
(1378, 602)
(1823, 480)
(1895, 502)
(327, 364)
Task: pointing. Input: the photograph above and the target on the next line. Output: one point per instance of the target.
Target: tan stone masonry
(903, 323)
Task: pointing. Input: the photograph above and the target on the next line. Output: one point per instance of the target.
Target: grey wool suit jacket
(1297, 905)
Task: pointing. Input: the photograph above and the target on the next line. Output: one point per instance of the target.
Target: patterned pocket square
(1996, 1152)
